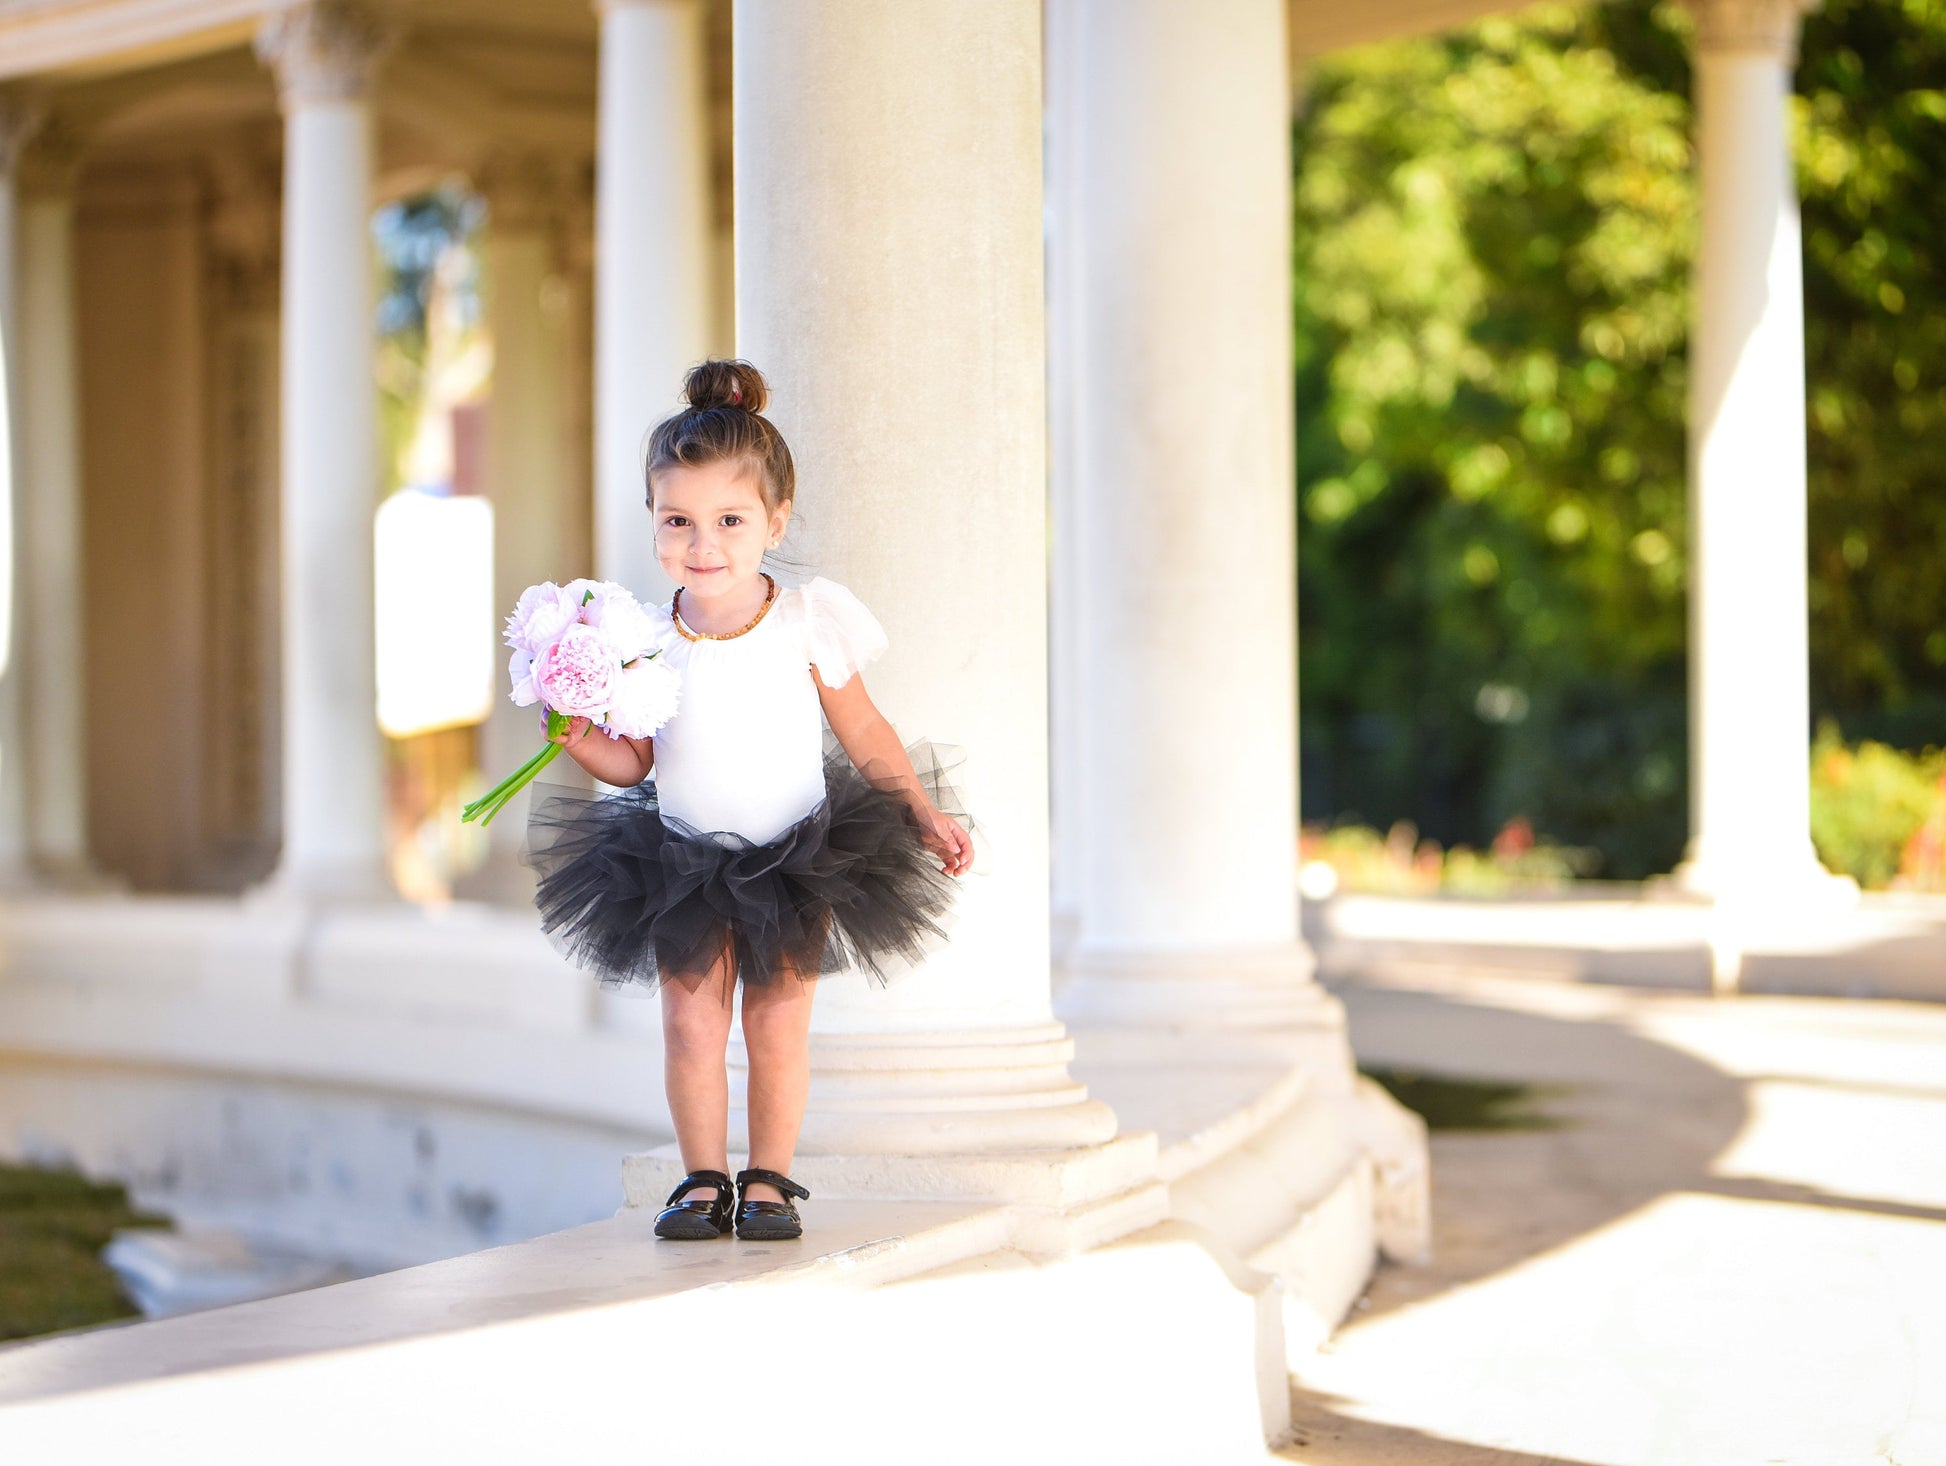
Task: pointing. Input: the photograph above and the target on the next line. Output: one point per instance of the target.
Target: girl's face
(711, 527)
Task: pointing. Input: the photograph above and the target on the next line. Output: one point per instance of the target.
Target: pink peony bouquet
(586, 649)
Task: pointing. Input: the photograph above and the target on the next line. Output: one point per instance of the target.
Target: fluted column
(652, 260)
(19, 116)
(49, 510)
(1173, 207)
(526, 461)
(889, 282)
(1749, 632)
(333, 775)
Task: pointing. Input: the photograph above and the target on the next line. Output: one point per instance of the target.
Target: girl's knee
(696, 1023)
(778, 1018)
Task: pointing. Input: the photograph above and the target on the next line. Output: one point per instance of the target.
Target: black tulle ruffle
(634, 895)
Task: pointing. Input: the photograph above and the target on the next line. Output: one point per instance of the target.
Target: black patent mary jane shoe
(694, 1221)
(769, 1221)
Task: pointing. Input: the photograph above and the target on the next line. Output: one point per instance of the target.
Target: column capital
(51, 161)
(1765, 27)
(245, 232)
(21, 114)
(325, 51)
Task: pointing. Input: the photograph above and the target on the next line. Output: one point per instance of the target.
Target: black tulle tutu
(635, 895)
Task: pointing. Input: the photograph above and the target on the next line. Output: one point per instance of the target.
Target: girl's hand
(944, 836)
(577, 729)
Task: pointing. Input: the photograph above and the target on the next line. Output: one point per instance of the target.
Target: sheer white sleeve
(840, 635)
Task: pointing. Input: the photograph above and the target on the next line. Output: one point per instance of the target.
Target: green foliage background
(1493, 232)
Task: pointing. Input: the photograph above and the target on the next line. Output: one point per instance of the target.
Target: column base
(501, 881)
(1794, 882)
(347, 884)
(76, 875)
(1264, 998)
(941, 1093)
(56, 875)
(18, 876)
(1753, 899)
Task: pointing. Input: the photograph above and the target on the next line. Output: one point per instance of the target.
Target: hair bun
(720, 382)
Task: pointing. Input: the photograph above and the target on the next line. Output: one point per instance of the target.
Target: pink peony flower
(644, 699)
(625, 626)
(544, 612)
(576, 675)
(520, 667)
(588, 649)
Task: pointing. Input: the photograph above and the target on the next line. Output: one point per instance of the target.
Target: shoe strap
(697, 1179)
(772, 1178)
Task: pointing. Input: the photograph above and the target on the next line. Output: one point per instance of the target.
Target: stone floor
(1732, 1249)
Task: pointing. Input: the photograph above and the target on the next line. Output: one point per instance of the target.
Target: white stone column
(19, 116)
(653, 296)
(1173, 206)
(1067, 263)
(526, 461)
(333, 775)
(49, 515)
(1749, 635)
(889, 283)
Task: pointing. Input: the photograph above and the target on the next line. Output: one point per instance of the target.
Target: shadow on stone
(1445, 1103)
(1327, 1437)
(1618, 1119)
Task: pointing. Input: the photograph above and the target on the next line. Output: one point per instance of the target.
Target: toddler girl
(755, 858)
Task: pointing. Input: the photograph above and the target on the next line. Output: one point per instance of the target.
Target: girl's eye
(673, 519)
(733, 519)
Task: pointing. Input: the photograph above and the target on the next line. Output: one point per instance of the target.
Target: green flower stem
(500, 795)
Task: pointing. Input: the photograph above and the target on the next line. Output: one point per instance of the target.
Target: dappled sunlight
(1805, 1133)
(1722, 1254)
(1747, 1330)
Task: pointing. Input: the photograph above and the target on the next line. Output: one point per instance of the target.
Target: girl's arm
(868, 739)
(623, 762)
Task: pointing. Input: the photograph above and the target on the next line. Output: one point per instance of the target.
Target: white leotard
(745, 751)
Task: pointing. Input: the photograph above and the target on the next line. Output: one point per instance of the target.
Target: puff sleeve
(840, 635)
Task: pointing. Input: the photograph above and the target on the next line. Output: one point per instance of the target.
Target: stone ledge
(1887, 947)
(1148, 1349)
(600, 1265)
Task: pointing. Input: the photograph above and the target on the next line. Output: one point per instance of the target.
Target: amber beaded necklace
(675, 614)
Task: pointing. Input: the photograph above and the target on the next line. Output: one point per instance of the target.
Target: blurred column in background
(526, 461)
(1171, 210)
(333, 774)
(48, 509)
(19, 117)
(653, 292)
(1749, 653)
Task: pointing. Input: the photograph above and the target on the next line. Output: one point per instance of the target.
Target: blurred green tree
(409, 237)
(1870, 140)
(1493, 236)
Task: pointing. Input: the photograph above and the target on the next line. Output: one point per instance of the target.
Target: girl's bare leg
(777, 1034)
(695, 1033)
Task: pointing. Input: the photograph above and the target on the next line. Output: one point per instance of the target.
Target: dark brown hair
(724, 420)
